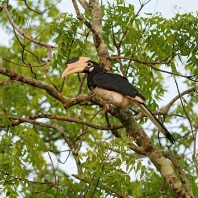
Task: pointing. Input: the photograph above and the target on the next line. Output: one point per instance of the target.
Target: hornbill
(112, 88)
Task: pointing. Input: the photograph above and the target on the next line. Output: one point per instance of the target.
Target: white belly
(115, 98)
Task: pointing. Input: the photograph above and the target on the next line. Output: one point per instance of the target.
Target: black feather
(112, 82)
(119, 84)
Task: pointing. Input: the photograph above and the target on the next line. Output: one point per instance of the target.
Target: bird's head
(79, 65)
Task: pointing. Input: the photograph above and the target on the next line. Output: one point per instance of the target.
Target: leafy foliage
(38, 134)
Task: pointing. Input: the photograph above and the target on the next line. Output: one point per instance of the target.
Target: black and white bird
(112, 88)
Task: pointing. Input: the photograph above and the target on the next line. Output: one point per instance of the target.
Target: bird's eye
(89, 64)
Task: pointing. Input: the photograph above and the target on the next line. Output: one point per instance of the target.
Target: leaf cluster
(34, 153)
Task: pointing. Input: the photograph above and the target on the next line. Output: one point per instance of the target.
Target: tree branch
(150, 64)
(49, 47)
(164, 167)
(194, 156)
(61, 118)
(100, 185)
(25, 1)
(22, 33)
(133, 129)
(85, 5)
(81, 18)
(96, 28)
(33, 82)
(170, 155)
(166, 109)
(38, 183)
(59, 129)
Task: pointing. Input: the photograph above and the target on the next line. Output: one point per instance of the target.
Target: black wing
(115, 82)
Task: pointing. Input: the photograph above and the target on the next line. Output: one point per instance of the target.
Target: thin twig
(52, 167)
(25, 1)
(49, 47)
(22, 33)
(191, 127)
(63, 118)
(118, 49)
(150, 64)
(166, 109)
(82, 80)
(22, 65)
(38, 183)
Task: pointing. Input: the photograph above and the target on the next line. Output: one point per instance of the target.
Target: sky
(168, 8)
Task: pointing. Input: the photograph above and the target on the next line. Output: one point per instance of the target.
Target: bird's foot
(106, 107)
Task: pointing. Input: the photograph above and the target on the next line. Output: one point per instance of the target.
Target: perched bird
(112, 88)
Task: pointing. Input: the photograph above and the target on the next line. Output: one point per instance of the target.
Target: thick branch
(85, 5)
(33, 82)
(174, 160)
(164, 167)
(95, 12)
(132, 127)
(101, 47)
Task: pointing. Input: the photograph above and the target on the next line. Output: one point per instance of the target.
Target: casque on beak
(75, 65)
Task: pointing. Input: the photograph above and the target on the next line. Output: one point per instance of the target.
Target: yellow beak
(75, 65)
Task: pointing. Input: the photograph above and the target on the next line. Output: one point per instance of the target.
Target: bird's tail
(156, 122)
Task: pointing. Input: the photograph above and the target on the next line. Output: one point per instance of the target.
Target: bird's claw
(106, 107)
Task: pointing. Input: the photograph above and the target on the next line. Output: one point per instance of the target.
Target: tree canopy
(58, 139)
